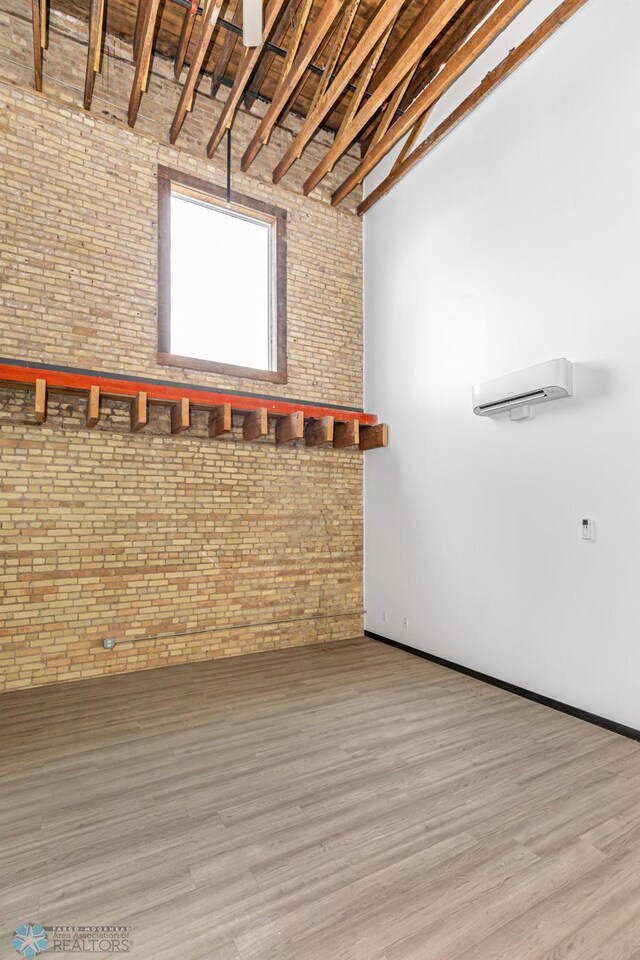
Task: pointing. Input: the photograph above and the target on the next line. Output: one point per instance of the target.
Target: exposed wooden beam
(402, 51)
(371, 45)
(396, 54)
(255, 424)
(220, 420)
(346, 435)
(207, 26)
(245, 70)
(326, 15)
(296, 38)
(180, 416)
(372, 437)
(40, 400)
(188, 24)
(391, 108)
(457, 32)
(294, 46)
(290, 428)
(96, 17)
(502, 16)
(138, 412)
(139, 27)
(304, 79)
(334, 52)
(226, 49)
(416, 130)
(36, 17)
(287, 19)
(492, 80)
(97, 63)
(143, 60)
(93, 406)
(365, 77)
(319, 431)
(44, 27)
(431, 22)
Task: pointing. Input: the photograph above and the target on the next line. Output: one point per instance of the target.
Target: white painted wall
(517, 240)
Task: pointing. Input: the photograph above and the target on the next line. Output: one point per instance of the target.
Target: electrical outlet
(405, 623)
(384, 616)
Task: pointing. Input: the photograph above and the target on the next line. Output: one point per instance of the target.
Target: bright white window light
(221, 290)
(252, 23)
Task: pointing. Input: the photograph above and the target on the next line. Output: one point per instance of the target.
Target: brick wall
(109, 533)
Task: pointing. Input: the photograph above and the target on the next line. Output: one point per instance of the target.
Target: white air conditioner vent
(546, 381)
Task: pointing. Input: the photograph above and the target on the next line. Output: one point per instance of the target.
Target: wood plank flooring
(337, 802)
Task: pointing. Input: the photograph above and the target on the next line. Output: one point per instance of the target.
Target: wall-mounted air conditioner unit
(517, 392)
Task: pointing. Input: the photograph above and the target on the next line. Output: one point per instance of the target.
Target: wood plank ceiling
(370, 71)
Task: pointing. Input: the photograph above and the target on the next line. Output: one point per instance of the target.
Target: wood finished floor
(339, 802)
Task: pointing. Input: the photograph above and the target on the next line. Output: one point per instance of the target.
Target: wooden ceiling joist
(38, 44)
(390, 109)
(430, 24)
(334, 52)
(370, 45)
(288, 18)
(357, 68)
(226, 49)
(493, 79)
(505, 12)
(245, 69)
(94, 50)
(365, 77)
(207, 26)
(294, 46)
(44, 27)
(139, 27)
(460, 29)
(311, 70)
(404, 50)
(186, 33)
(321, 25)
(147, 16)
(296, 38)
(416, 130)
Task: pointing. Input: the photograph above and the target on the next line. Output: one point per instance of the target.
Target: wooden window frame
(242, 204)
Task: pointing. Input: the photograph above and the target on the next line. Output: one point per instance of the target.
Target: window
(221, 280)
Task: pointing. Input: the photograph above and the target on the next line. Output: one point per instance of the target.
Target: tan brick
(108, 533)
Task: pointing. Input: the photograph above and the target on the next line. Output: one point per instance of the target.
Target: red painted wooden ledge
(72, 380)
